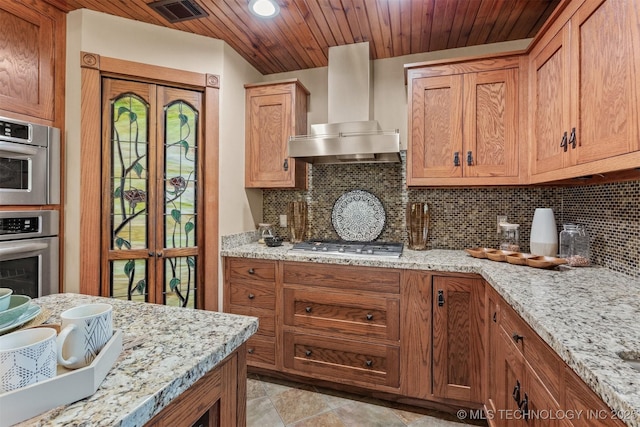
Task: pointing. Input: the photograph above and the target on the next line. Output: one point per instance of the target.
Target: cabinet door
(541, 408)
(550, 93)
(605, 58)
(436, 128)
(28, 37)
(273, 114)
(493, 342)
(490, 123)
(458, 338)
(510, 383)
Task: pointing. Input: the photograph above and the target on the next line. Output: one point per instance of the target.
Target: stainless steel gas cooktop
(340, 247)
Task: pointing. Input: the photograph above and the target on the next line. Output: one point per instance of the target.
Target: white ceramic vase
(544, 233)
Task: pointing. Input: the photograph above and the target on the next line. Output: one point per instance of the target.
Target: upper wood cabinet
(464, 123)
(274, 112)
(31, 82)
(584, 92)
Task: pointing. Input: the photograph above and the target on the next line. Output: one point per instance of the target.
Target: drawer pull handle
(251, 271)
(369, 316)
(369, 363)
(563, 142)
(307, 353)
(495, 317)
(572, 138)
(456, 158)
(524, 407)
(250, 351)
(516, 392)
(440, 298)
(517, 337)
(469, 158)
(307, 309)
(251, 296)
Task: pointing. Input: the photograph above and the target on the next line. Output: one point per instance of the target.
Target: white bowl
(17, 306)
(5, 298)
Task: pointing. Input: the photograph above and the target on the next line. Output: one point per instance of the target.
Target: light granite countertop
(587, 315)
(177, 346)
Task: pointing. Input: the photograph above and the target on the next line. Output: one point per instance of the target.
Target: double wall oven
(29, 176)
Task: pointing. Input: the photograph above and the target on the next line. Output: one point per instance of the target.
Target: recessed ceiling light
(264, 8)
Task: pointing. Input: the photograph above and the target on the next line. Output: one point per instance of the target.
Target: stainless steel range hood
(351, 136)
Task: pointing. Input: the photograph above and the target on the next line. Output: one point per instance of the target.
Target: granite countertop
(587, 315)
(177, 346)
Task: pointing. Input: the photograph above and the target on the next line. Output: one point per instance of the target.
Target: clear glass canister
(264, 230)
(509, 237)
(574, 245)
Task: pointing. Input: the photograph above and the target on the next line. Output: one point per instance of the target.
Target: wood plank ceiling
(301, 35)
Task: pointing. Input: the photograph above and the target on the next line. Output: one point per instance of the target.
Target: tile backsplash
(466, 217)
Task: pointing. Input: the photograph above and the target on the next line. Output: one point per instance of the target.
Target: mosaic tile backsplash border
(466, 217)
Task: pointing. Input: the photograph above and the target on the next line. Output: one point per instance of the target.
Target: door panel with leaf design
(151, 166)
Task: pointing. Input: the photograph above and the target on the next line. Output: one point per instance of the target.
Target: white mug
(27, 357)
(84, 331)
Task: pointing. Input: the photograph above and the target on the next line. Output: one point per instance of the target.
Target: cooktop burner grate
(340, 247)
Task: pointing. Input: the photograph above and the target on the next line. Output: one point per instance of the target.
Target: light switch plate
(283, 220)
(501, 218)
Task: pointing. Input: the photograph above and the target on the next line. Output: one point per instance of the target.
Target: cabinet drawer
(266, 318)
(255, 295)
(335, 276)
(250, 269)
(343, 361)
(261, 351)
(349, 313)
(540, 357)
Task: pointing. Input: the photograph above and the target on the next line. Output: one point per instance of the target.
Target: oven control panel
(14, 130)
(19, 225)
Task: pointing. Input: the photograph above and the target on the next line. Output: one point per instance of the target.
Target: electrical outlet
(283, 221)
(501, 218)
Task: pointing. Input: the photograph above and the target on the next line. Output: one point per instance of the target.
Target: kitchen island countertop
(587, 315)
(174, 347)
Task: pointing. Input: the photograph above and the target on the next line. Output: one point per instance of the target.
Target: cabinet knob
(572, 138)
(369, 316)
(456, 159)
(251, 271)
(469, 158)
(307, 309)
(250, 351)
(159, 254)
(285, 165)
(369, 363)
(563, 142)
(516, 337)
(152, 254)
(251, 296)
(307, 353)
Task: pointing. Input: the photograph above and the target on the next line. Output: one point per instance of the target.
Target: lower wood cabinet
(458, 338)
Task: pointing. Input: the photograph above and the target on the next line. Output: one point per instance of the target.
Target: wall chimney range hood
(351, 136)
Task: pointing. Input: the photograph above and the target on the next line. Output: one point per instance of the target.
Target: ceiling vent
(178, 10)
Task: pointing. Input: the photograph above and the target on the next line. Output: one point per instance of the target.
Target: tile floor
(277, 403)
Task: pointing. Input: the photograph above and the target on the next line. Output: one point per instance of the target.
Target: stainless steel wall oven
(29, 163)
(29, 252)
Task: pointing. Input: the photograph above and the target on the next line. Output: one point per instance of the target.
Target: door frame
(93, 68)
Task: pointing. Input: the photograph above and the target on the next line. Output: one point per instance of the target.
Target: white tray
(67, 387)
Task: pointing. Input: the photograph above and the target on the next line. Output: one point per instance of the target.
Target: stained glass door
(151, 168)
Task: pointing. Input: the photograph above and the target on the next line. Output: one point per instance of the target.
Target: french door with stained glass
(151, 169)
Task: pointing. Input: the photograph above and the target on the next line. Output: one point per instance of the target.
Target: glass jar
(264, 230)
(574, 245)
(509, 237)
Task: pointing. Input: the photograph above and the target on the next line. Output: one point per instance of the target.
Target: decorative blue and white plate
(358, 216)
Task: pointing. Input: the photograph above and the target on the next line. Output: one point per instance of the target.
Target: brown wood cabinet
(341, 330)
(584, 92)
(463, 122)
(274, 112)
(533, 386)
(218, 399)
(32, 70)
(458, 338)
(250, 289)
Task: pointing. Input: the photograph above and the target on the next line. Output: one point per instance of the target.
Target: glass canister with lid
(264, 230)
(509, 237)
(574, 245)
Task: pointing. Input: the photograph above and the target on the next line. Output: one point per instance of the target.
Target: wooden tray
(479, 252)
(540, 261)
(519, 258)
(67, 387)
(499, 255)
